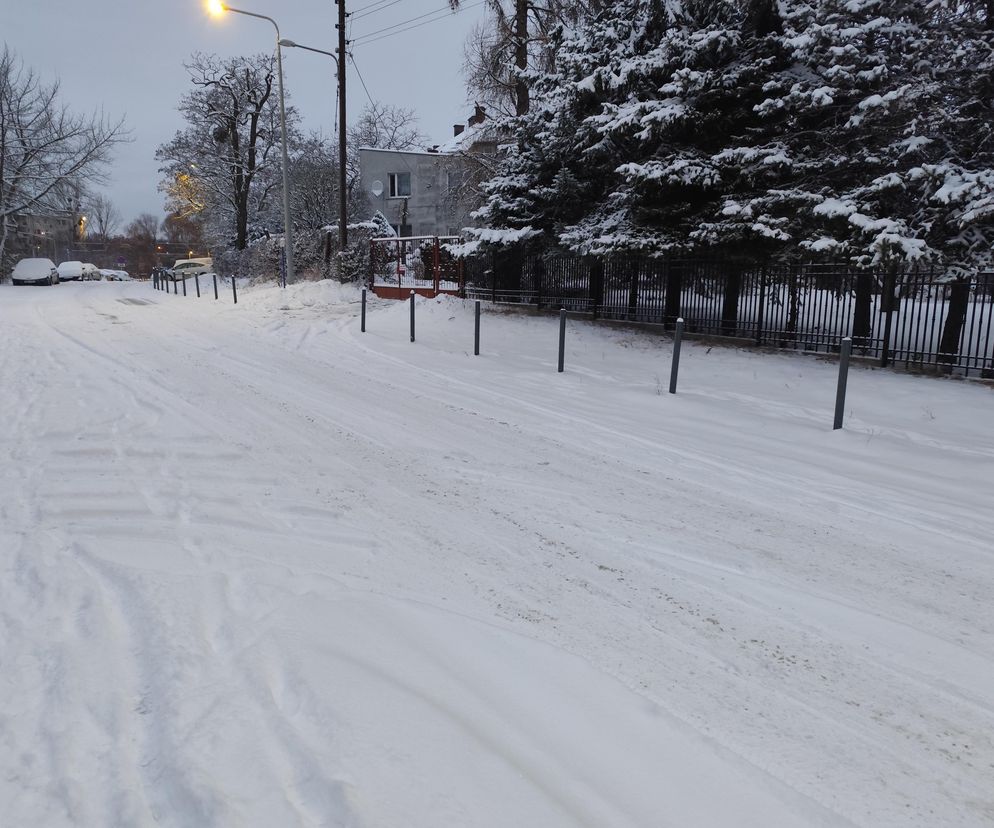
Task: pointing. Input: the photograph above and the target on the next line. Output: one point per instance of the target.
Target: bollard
(184, 285)
(840, 393)
(476, 330)
(155, 281)
(215, 284)
(562, 339)
(362, 316)
(234, 290)
(675, 369)
(196, 280)
(412, 315)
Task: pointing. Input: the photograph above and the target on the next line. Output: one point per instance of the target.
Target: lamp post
(343, 233)
(216, 8)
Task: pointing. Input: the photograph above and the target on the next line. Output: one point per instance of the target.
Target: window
(400, 185)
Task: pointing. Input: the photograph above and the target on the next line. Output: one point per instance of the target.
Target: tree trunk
(507, 273)
(674, 287)
(952, 330)
(793, 302)
(633, 290)
(862, 327)
(730, 307)
(241, 221)
(521, 93)
(3, 235)
(596, 285)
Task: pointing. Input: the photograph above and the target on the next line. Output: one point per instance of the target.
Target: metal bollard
(234, 290)
(675, 368)
(184, 285)
(196, 280)
(412, 315)
(362, 316)
(840, 393)
(476, 330)
(215, 284)
(562, 339)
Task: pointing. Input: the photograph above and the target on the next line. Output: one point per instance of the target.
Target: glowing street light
(216, 8)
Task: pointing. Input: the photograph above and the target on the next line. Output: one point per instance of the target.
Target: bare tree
(142, 234)
(225, 164)
(46, 150)
(104, 217)
(381, 126)
(515, 39)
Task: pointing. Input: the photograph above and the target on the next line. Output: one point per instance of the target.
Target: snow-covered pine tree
(855, 128)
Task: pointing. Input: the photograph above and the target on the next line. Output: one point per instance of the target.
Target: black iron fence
(916, 317)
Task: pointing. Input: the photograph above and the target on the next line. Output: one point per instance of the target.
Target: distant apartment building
(429, 192)
(47, 235)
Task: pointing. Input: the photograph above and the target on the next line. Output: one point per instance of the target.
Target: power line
(383, 4)
(403, 23)
(439, 14)
(367, 6)
(359, 75)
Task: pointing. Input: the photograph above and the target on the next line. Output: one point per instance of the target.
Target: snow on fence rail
(915, 318)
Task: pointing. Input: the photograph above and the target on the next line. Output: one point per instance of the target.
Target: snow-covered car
(91, 272)
(35, 272)
(115, 275)
(185, 268)
(70, 271)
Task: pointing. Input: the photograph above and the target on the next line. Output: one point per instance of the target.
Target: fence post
(436, 264)
(362, 318)
(234, 289)
(196, 280)
(840, 393)
(371, 276)
(887, 307)
(476, 329)
(562, 338)
(215, 284)
(184, 285)
(412, 315)
(675, 367)
(761, 310)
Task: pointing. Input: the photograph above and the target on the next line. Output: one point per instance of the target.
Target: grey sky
(127, 57)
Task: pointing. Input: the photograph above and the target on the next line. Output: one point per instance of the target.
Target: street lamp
(343, 233)
(216, 8)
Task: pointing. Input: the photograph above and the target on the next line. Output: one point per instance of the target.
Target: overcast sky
(127, 57)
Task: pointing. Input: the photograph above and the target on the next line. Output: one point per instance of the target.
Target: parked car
(185, 268)
(115, 275)
(90, 272)
(70, 271)
(35, 272)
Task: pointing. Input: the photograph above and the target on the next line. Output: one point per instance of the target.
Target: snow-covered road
(258, 568)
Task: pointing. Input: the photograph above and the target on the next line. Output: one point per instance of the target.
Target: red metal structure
(423, 264)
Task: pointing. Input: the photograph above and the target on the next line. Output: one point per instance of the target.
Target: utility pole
(343, 232)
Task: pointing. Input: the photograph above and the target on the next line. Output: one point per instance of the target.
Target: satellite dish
(377, 188)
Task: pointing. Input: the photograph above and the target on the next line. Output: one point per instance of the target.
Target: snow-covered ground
(260, 569)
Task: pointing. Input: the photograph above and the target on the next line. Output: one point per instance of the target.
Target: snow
(833, 208)
(259, 568)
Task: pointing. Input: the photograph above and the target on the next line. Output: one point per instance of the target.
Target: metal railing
(916, 317)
